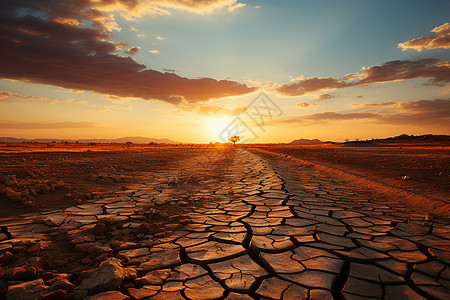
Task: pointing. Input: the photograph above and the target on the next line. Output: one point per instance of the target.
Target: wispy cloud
(214, 111)
(103, 108)
(235, 6)
(437, 72)
(306, 104)
(45, 125)
(325, 96)
(153, 51)
(419, 113)
(439, 38)
(389, 103)
(7, 96)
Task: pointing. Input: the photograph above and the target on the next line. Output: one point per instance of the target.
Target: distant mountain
(135, 140)
(306, 142)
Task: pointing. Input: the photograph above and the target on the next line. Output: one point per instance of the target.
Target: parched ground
(427, 167)
(212, 222)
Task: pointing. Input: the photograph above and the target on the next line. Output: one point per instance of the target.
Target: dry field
(199, 222)
(427, 167)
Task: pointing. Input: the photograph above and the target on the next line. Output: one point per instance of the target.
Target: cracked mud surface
(263, 229)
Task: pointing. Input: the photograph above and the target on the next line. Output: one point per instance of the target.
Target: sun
(215, 126)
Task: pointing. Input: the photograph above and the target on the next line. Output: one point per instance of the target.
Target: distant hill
(426, 139)
(135, 140)
(306, 142)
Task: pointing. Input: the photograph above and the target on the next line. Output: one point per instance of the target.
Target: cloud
(389, 103)
(215, 111)
(169, 70)
(310, 85)
(153, 51)
(439, 38)
(263, 84)
(322, 118)
(236, 6)
(133, 50)
(111, 108)
(219, 111)
(325, 96)
(132, 9)
(13, 96)
(45, 125)
(306, 105)
(41, 33)
(418, 113)
(160, 38)
(437, 72)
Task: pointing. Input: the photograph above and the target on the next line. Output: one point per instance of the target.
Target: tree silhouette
(234, 139)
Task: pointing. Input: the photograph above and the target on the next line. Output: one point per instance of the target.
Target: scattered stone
(29, 290)
(108, 276)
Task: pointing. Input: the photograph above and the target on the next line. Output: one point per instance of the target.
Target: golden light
(216, 125)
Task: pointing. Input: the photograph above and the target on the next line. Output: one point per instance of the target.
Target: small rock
(96, 195)
(7, 256)
(55, 295)
(111, 295)
(28, 290)
(11, 181)
(100, 228)
(34, 249)
(60, 282)
(108, 276)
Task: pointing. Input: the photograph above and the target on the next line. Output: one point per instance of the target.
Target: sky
(201, 71)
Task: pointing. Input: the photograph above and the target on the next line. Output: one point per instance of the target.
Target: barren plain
(222, 222)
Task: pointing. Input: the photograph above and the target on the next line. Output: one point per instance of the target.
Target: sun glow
(215, 126)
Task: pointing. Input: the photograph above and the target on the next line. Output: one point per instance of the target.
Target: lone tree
(234, 139)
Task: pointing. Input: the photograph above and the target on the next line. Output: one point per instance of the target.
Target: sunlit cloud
(311, 85)
(213, 111)
(153, 51)
(414, 113)
(133, 50)
(325, 96)
(306, 104)
(439, 38)
(389, 103)
(13, 97)
(82, 57)
(160, 38)
(45, 125)
(437, 72)
(236, 6)
(111, 108)
(219, 111)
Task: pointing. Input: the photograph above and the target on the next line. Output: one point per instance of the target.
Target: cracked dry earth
(264, 230)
